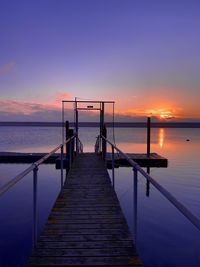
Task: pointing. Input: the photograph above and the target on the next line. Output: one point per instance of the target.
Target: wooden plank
(121, 232)
(87, 244)
(93, 225)
(66, 220)
(105, 235)
(86, 261)
(87, 209)
(89, 212)
(85, 252)
(85, 218)
(86, 226)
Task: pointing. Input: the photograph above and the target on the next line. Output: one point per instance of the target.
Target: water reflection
(161, 136)
(148, 184)
(135, 203)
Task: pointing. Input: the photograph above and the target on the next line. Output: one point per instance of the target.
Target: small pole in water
(148, 135)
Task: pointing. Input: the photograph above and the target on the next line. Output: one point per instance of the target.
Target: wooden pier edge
(144, 160)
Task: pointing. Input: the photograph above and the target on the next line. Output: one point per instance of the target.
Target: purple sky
(142, 54)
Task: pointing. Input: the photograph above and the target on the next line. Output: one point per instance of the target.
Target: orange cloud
(62, 96)
(55, 100)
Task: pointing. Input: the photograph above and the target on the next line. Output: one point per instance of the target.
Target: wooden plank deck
(86, 226)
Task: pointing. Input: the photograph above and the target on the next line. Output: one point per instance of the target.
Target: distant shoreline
(108, 124)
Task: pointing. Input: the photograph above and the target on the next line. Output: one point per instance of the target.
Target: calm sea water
(164, 236)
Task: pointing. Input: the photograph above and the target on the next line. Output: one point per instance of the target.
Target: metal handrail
(80, 147)
(97, 144)
(34, 168)
(185, 211)
(16, 179)
(34, 165)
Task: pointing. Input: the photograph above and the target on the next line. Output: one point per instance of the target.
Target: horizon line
(108, 124)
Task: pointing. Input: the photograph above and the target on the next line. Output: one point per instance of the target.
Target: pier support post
(113, 167)
(69, 146)
(104, 143)
(67, 136)
(76, 124)
(101, 124)
(61, 165)
(148, 135)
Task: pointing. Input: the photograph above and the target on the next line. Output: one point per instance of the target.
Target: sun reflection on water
(161, 136)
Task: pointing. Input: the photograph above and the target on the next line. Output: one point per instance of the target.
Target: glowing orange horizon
(162, 114)
(158, 109)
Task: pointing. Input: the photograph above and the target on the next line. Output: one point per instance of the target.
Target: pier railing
(80, 146)
(35, 167)
(97, 145)
(136, 168)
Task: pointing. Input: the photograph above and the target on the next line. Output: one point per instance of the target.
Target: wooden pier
(86, 226)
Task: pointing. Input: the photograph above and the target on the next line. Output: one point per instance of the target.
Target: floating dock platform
(153, 160)
(144, 160)
(18, 157)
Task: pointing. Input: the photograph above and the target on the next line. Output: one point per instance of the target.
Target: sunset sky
(143, 54)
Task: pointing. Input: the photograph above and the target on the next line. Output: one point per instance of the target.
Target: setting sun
(163, 113)
(166, 115)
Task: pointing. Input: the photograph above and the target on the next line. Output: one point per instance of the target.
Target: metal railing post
(70, 154)
(76, 125)
(35, 215)
(61, 165)
(135, 193)
(104, 143)
(113, 167)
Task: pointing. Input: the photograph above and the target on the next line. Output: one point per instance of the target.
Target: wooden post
(66, 137)
(104, 143)
(69, 146)
(102, 124)
(76, 124)
(148, 135)
(100, 128)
